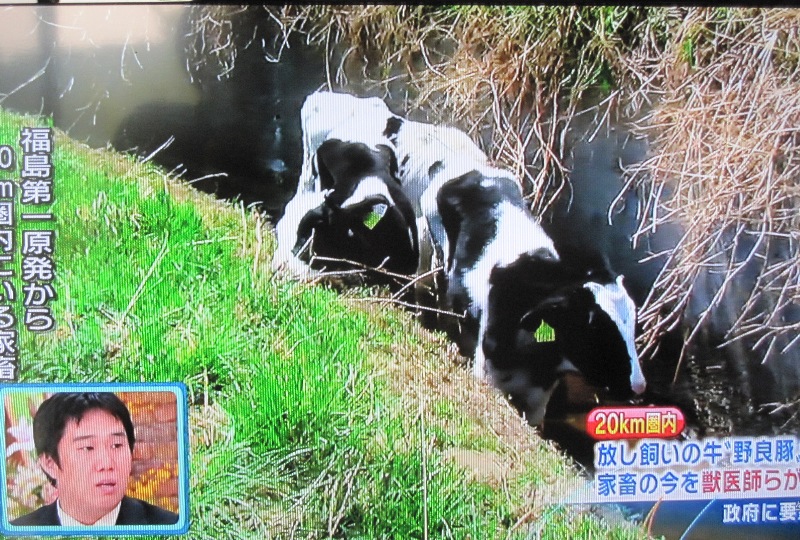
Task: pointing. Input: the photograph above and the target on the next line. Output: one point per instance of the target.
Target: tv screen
(397, 271)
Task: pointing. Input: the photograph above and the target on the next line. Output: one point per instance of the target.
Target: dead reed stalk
(725, 136)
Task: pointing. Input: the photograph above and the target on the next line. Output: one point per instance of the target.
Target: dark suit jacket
(131, 512)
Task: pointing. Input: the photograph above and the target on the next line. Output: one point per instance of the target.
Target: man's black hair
(56, 411)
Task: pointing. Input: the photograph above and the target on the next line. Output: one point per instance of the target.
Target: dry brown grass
(725, 136)
(499, 73)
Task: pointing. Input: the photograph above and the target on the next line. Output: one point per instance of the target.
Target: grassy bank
(313, 414)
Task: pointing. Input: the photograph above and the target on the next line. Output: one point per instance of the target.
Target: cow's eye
(544, 254)
(531, 320)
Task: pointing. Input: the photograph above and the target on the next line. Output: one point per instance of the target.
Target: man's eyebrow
(84, 437)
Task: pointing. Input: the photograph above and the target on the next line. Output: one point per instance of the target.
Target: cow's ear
(369, 211)
(374, 215)
(550, 309)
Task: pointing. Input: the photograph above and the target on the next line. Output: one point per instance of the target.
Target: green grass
(298, 423)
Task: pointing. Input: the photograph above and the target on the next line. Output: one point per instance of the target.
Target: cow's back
(324, 112)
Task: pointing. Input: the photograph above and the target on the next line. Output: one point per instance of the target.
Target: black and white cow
(348, 205)
(505, 275)
(558, 315)
(428, 157)
(529, 316)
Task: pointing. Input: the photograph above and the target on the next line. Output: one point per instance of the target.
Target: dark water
(119, 75)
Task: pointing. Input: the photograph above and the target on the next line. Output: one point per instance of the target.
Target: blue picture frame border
(182, 422)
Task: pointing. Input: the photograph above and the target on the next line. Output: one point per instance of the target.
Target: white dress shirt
(106, 520)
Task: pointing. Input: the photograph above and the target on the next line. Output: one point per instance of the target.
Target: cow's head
(293, 241)
(369, 228)
(362, 219)
(593, 326)
(549, 318)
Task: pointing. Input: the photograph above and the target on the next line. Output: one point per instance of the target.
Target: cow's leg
(425, 290)
(315, 127)
(435, 226)
(479, 368)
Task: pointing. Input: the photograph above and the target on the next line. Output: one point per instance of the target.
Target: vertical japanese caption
(26, 229)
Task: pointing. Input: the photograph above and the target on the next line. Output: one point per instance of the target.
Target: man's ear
(49, 465)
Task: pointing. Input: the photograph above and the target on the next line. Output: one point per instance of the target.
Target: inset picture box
(94, 459)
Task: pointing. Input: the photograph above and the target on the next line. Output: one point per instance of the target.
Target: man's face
(95, 465)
